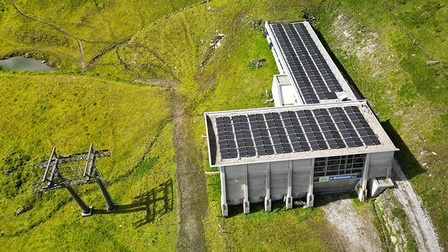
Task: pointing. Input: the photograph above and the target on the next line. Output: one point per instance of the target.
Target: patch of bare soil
(334, 241)
(358, 232)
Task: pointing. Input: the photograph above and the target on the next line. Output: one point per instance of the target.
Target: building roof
(301, 56)
(294, 132)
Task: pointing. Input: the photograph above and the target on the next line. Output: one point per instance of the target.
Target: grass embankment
(174, 48)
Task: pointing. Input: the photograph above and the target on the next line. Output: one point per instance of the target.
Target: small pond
(22, 63)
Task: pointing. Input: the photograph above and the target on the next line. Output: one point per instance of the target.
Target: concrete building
(318, 139)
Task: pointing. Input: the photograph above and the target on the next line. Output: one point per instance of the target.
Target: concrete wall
(380, 164)
(302, 178)
(288, 180)
(259, 182)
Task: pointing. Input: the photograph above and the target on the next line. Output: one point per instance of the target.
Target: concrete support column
(288, 199)
(389, 168)
(224, 207)
(310, 195)
(110, 204)
(362, 192)
(267, 199)
(86, 211)
(246, 204)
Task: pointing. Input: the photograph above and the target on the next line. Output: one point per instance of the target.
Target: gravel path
(421, 225)
(360, 233)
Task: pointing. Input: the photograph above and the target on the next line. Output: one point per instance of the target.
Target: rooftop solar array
(309, 69)
(314, 129)
(249, 134)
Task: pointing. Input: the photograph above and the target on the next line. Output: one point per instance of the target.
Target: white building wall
(235, 180)
(283, 180)
(380, 164)
(302, 177)
(279, 179)
(257, 182)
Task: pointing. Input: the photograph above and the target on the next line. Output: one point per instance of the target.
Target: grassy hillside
(99, 25)
(384, 47)
(68, 112)
(116, 104)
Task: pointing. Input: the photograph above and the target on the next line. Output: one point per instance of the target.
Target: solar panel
(294, 130)
(366, 133)
(226, 137)
(308, 66)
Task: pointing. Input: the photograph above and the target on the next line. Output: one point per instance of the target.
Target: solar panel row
(318, 58)
(226, 137)
(297, 69)
(309, 69)
(293, 131)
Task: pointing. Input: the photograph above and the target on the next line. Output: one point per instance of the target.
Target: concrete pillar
(86, 211)
(110, 204)
(246, 204)
(289, 199)
(310, 195)
(267, 198)
(389, 167)
(362, 191)
(224, 207)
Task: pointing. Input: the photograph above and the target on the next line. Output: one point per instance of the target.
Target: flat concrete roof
(294, 132)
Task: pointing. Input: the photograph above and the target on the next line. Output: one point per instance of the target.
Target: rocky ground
(359, 232)
(423, 230)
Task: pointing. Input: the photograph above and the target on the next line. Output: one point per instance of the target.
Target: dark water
(22, 63)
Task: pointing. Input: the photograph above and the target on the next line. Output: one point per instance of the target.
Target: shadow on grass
(409, 164)
(405, 158)
(338, 64)
(156, 202)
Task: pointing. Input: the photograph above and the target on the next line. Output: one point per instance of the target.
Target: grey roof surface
(295, 132)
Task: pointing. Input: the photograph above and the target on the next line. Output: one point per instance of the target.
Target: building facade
(318, 139)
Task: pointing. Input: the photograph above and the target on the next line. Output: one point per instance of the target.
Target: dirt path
(359, 232)
(191, 185)
(421, 226)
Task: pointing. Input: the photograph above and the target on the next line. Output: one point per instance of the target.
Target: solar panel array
(312, 74)
(293, 131)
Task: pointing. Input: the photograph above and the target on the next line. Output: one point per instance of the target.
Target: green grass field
(116, 103)
(409, 96)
